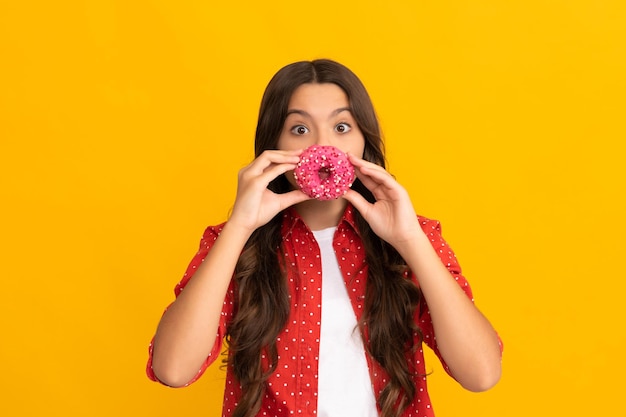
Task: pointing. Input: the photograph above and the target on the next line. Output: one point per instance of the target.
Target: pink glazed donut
(324, 172)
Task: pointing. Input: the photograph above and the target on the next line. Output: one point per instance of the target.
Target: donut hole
(324, 173)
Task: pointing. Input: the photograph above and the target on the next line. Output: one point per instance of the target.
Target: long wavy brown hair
(387, 324)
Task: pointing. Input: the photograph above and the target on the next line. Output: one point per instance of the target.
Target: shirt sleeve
(207, 241)
(432, 228)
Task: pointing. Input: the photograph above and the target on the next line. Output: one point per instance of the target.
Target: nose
(323, 138)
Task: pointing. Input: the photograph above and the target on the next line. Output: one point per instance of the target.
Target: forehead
(315, 95)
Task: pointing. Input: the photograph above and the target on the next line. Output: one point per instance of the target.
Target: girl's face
(320, 114)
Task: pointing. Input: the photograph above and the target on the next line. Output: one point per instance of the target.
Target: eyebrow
(305, 114)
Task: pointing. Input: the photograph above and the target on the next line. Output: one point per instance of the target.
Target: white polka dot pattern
(292, 388)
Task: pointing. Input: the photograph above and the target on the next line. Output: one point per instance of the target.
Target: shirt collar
(291, 220)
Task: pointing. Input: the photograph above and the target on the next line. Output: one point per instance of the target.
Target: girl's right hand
(255, 204)
(186, 333)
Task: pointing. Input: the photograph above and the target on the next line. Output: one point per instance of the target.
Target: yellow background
(123, 125)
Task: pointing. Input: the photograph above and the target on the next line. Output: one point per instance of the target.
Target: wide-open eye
(343, 128)
(299, 130)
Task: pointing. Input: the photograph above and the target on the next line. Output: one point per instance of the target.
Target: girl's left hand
(392, 216)
(465, 338)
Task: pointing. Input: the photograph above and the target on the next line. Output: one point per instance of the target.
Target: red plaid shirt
(292, 388)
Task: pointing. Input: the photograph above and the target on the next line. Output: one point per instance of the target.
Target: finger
(360, 163)
(367, 181)
(273, 171)
(272, 166)
(369, 172)
(378, 183)
(376, 173)
(291, 198)
(359, 202)
(268, 158)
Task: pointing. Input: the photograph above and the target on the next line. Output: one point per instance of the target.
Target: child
(324, 304)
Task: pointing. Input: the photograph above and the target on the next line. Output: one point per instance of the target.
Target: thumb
(292, 197)
(359, 202)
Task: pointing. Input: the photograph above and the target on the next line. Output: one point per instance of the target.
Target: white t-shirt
(344, 385)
